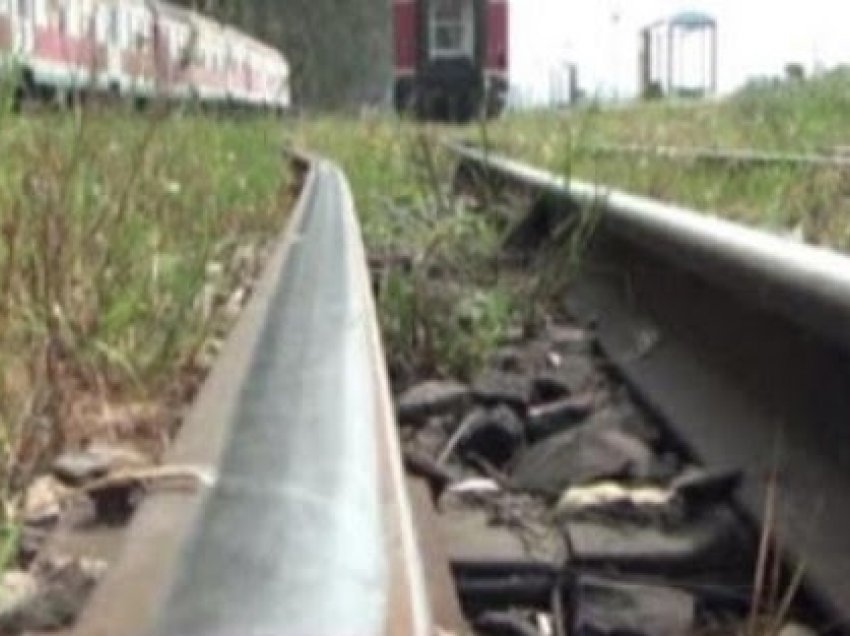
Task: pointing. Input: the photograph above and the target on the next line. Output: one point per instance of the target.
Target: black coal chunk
(699, 488)
(606, 607)
(495, 387)
(550, 418)
(599, 449)
(434, 397)
(495, 435)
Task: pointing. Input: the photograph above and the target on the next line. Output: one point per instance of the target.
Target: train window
(24, 9)
(451, 27)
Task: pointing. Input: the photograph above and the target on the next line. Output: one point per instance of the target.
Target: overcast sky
(756, 37)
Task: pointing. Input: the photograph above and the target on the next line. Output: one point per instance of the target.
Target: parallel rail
(300, 522)
(738, 340)
(725, 156)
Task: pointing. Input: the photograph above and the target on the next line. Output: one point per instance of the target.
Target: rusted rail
(738, 340)
(300, 520)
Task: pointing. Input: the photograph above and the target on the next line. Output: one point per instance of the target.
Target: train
(451, 58)
(136, 49)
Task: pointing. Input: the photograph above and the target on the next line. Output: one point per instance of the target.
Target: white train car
(208, 72)
(174, 39)
(53, 40)
(139, 49)
(275, 81)
(258, 74)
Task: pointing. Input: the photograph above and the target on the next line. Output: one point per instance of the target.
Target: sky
(756, 37)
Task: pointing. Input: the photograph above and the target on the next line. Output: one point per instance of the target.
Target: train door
(449, 80)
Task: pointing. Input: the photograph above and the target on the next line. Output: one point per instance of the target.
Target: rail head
(809, 285)
(306, 525)
(727, 156)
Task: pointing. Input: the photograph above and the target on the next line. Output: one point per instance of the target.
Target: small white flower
(214, 269)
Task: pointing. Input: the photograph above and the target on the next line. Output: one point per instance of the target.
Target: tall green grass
(121, 237)
(810, 116)
(445, 307)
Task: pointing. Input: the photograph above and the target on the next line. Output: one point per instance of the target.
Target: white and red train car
(451, 57)
(138, 49)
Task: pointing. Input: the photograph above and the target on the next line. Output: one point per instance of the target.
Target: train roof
(692, 19)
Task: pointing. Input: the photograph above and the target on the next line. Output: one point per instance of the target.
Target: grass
(123, 240)
(802, 117)
(444, 305)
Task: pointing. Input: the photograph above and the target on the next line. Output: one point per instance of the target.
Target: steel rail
(304, 525)
(727, 156)
(737, 340)
(808, 284)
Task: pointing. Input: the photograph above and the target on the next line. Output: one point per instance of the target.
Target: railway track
(303, 524)
(735, 339)
(727, 156)
(612, 472)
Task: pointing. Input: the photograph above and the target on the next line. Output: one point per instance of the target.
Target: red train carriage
(451, 57)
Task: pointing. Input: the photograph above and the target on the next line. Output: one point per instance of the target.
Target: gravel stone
(699, 488)
(43, 501)
(16, 590)
(434, 397)
(77, 467)
(611, 608)
(496, 436)
(591, 452)
(63, 587)
(547, 419)
(513, 389)
(573, 374)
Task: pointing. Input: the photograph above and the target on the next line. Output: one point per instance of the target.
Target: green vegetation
(127, 242)
(443, 301)
(795, 117)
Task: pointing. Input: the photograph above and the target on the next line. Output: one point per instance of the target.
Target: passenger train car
(451, 57)
(138, 49)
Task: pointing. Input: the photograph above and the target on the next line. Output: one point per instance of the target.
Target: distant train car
(451, 57)
(138, 49)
